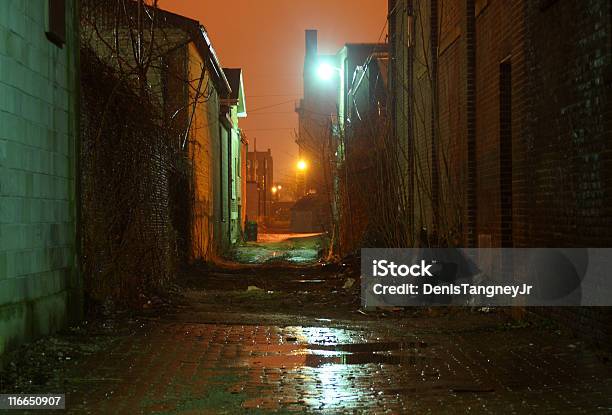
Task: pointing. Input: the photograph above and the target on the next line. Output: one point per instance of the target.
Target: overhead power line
(271, 106)
(274, 95)
(274, 113)
(269, 129)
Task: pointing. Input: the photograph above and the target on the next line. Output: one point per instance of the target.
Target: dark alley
(317, 206)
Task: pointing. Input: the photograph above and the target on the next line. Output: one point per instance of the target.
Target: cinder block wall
(37, 188)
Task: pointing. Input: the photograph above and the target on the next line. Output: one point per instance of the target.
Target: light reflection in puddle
(330, 359)
(335, 368)
(317, 358)
(335, 387)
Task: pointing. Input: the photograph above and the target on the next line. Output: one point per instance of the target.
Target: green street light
(325, 71)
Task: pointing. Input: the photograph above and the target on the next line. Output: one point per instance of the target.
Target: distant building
(260, 180)
(308, 215)
(324, 126)
(316, 111)
(244, 148)
(236, 107)
(285, 191)
(348, 59)
(368, 93)
(364, 127)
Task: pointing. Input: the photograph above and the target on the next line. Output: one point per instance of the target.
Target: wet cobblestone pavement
(290, 248)
(296, 343)
(228, 368)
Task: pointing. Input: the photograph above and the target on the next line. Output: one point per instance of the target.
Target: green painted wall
(235, 184)
(224, 194)
(39, 284)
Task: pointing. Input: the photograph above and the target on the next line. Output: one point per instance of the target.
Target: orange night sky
(266, 39)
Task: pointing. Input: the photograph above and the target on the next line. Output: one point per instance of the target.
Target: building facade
(260, 180)
(40, 286)
(504, 111)
(324, 133)
(348, 59)
(208, 147)
(200, 117)
(355, 177)
(236, 105)
(365, 123)
(317, 113)
(472, 118)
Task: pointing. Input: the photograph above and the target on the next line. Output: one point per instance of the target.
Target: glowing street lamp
(274, 190)
(325, 71)
(301, 165)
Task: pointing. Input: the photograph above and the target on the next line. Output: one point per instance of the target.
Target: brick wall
(554, 58)
(421, 112)
(519, 94)
(499, 54)
(400, 87)
(452, 119)
(566, 199)
(204, 150)
(429, 100)
(38, 89)
(125, 163)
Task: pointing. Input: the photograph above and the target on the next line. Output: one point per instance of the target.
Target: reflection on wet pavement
(228, 368)
(289, 339)
(291, 248)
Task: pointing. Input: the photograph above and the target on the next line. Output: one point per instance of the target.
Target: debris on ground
(348, 283)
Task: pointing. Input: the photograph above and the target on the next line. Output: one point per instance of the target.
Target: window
(56, 22)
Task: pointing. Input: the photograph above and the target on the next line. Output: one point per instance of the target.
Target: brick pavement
(180, 367)
(290, 348)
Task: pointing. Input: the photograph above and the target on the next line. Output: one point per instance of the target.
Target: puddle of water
(317, 355)
(262, 254)
(316, 360)
(391, 353)
(369, 347)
